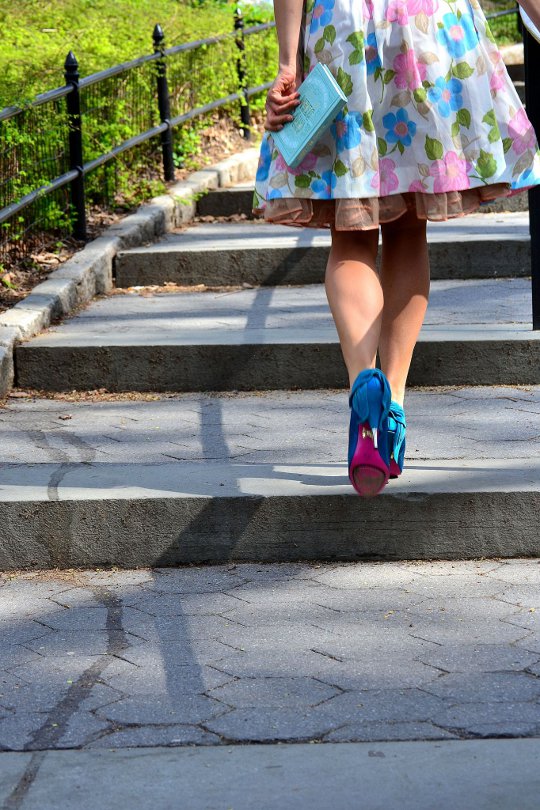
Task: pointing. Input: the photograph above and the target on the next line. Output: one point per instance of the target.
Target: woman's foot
(369, 459)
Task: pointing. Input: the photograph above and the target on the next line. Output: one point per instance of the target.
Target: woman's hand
(282, 99)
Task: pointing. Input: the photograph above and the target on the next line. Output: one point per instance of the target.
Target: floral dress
(432, 119)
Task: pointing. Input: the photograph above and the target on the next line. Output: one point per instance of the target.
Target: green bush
(37, 38)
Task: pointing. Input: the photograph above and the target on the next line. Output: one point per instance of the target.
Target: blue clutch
(321, 100)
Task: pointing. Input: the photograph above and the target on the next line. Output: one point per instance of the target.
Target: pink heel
(369, 460)
(369, 474)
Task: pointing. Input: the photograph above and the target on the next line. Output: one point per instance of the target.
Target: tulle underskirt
(353, 214)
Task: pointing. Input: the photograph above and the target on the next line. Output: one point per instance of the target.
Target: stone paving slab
(262, 477)
(476, 246)
(476, 332)
(279, 427)
(483, 775)
(257, 653)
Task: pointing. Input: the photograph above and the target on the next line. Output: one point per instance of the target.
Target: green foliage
(37, 35)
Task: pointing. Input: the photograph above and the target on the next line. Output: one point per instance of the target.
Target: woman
(433, 127)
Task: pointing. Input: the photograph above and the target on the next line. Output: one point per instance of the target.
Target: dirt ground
(47, 252)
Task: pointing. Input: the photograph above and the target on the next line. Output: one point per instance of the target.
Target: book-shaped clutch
(321, 98)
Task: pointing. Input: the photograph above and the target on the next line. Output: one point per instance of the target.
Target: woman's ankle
(398, 393)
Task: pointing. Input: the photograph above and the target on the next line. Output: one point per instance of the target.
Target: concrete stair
(477, 246)
(262, 477)
(166, 478)
(237, 201)
(476, 333)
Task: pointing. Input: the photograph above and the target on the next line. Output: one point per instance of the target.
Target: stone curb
(90, 271)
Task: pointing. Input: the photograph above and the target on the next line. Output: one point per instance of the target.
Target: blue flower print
(400, 129)
(446, 95)
(525, 180)
(323, 188)
(346, 130)
(458, 35)
(321, 15)
(265, 159)
(274, 194)
(373, 60)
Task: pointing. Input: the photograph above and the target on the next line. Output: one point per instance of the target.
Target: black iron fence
(154, 94)
(51, 148)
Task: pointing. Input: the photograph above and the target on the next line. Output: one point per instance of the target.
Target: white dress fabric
(432, 120)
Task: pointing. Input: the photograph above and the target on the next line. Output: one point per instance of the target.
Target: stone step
(207, 479)
(476, 246)
(237, 200)
(476, 332)
(411, 775)
(516, 71)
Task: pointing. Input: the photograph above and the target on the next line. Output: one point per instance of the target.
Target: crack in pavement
(41, 440)
(51, 732)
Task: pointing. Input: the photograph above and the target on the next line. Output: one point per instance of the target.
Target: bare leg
(405, 282)
(355, 296)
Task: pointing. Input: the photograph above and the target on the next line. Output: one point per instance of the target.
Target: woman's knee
(355, 245)
(407, 226)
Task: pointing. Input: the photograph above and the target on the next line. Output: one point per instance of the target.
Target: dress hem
(367, 213)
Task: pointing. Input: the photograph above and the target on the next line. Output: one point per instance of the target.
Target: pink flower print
(409, 73)
(386, 180)
(428, 7)
(397, 10)
(521, 132)
(367, 9)
(497, 79)
(450, 173)
(307, 164)
(417, 185)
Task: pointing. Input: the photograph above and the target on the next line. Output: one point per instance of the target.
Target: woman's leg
(355, 296)
(405, 282)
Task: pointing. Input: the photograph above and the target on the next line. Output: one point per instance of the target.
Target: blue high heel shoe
(369, 458)
(396, 439)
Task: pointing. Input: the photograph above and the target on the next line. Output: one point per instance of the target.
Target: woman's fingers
(278, 107)
(281, 101)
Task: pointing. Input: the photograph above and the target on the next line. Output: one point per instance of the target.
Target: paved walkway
(261, 653)
(471, 775)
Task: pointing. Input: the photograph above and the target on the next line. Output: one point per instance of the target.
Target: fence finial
(158, 36)
(71, 65)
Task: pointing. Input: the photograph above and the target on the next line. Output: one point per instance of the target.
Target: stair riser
(306, 265)
(266, 367)
(162, 532)
(516, 72)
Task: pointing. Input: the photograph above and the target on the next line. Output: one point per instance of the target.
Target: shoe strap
(362, 402)
(397, 415)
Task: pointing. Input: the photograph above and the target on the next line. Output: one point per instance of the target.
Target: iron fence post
(164, 104)
(245, 116)
(532, 101)
(73, 102)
